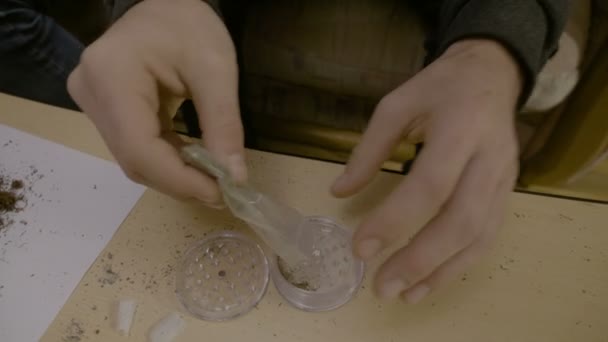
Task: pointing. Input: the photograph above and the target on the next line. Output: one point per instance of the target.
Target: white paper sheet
(75, 204)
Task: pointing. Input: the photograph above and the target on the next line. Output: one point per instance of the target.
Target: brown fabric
(351, 48)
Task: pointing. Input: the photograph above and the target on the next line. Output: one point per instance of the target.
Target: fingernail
(392, 289)
(416, 294)
(237, 167)
(369, 248)
(217, 206)
(211, 203)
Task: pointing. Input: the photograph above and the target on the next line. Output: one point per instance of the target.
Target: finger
(123, 103)
(460, 223)
(467, 257)
(140, 179)
(450, 269)
(419, 197)
(214, 90)
(164, 165)
(383, 133)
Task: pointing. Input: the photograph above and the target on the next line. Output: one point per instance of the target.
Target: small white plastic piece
(167, 328)
(124, 315)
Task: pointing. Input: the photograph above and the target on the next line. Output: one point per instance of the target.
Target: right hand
(132, 80)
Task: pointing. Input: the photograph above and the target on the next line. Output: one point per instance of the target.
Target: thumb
(215, 94)
(384, 132)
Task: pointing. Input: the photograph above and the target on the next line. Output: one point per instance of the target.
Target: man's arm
(529, 29)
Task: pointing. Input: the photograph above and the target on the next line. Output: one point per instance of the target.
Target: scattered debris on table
(14, 194)
(74, 332)
(109, 276)
(12, 199)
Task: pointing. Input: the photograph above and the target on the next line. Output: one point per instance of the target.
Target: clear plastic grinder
(309, 259)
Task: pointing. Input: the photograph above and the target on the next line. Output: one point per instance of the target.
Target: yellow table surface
(545, 280)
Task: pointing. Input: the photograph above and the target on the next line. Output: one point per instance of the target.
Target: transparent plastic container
(222, 276)
(330, 279)
(312, 264)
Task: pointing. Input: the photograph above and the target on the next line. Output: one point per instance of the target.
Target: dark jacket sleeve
(86, 20)
(530, 29)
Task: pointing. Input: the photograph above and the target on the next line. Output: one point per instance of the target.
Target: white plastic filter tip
(167, 328)
(125, 312)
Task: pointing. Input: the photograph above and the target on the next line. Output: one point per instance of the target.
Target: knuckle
(88, 59)
(81, 79)
(129, 166)
(74, 83)
(92, 54)
(93, 59)
(133, 175)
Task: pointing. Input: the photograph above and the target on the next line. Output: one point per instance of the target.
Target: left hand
(462, 106)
